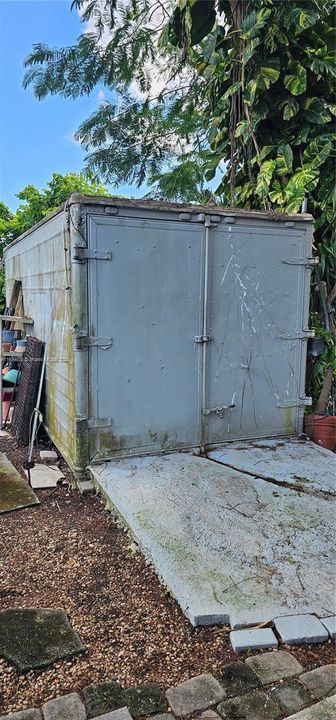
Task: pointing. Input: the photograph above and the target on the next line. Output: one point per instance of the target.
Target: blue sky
(36, 137)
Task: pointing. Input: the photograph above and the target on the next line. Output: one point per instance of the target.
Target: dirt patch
(69, 553)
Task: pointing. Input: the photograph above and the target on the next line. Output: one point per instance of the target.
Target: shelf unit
(10, 319)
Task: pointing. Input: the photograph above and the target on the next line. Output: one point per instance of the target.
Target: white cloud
(101, 96)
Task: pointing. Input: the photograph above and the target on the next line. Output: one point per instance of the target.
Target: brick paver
(199, 693)
(273, 666)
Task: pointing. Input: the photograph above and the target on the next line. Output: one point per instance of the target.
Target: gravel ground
(69, 553)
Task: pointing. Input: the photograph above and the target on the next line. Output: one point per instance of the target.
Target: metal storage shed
(167, 326)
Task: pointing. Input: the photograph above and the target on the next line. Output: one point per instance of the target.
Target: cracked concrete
(231, 547)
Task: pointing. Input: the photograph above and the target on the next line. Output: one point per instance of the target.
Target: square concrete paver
(254, 639)
(44, 476)
(272, 666)
(36, 638)
(324, 710)
(145, 699)
(291, 696)
(66, 707)
(237, 678)
(330, 624)
(121, 714)
(257, 705)
(199, 693)
(102, 698)
(296, 629)
(31, 714)
(321, 681)
(230, 547)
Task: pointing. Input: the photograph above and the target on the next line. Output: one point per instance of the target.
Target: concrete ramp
(231, 547)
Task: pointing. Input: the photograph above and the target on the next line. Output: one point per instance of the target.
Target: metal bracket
(81, 253)
(218, 410)
(84, 341)
(298, 402)
(299, 335)
(202, 338)
(306, 261)
(84, 423)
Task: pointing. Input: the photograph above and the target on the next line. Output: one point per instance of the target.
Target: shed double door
(196, 333)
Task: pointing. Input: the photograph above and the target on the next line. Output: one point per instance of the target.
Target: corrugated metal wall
(41, 261)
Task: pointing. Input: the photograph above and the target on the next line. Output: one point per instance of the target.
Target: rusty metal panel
(41, 261)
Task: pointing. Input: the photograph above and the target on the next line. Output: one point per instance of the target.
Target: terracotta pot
(321, 429)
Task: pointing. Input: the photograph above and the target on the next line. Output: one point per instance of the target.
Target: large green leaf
(317, 152)
(297, 82)
(307, 17)
(284, 160)
(254, 21)
(265, 176)
(315, 111)
(290, 108)
(269, 71)
(250, 49)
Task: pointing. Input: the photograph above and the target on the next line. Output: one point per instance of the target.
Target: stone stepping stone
(31, 714)
(257, 705)
(324, 710)
(273, 666)
(102, 698)
(36, 638)
(43, 477)
(15, 492)
(321, 681)
(199, 693)
(66, 707)
(121, 714)
(291, 696)
(237, 678)
(145, 699)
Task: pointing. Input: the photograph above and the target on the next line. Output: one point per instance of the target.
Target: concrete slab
(48, 455)
(15, 492)
(230, 547)
(296, 629)
(43, 477)
(36, 638)
(300, 463)
(254, 639)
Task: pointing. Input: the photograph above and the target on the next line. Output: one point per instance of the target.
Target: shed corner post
(76, 219)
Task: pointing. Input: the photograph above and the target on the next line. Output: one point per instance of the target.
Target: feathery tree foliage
(244, 89)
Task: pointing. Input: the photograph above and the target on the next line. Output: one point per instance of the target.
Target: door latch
(202, 338)
(218, 410)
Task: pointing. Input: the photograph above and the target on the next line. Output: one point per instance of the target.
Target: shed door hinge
(82, 253)
(84, 341)
(202, 338)
(84, 423)
(218, 410)
(298, 402)
(299, 335)
(306, 261)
